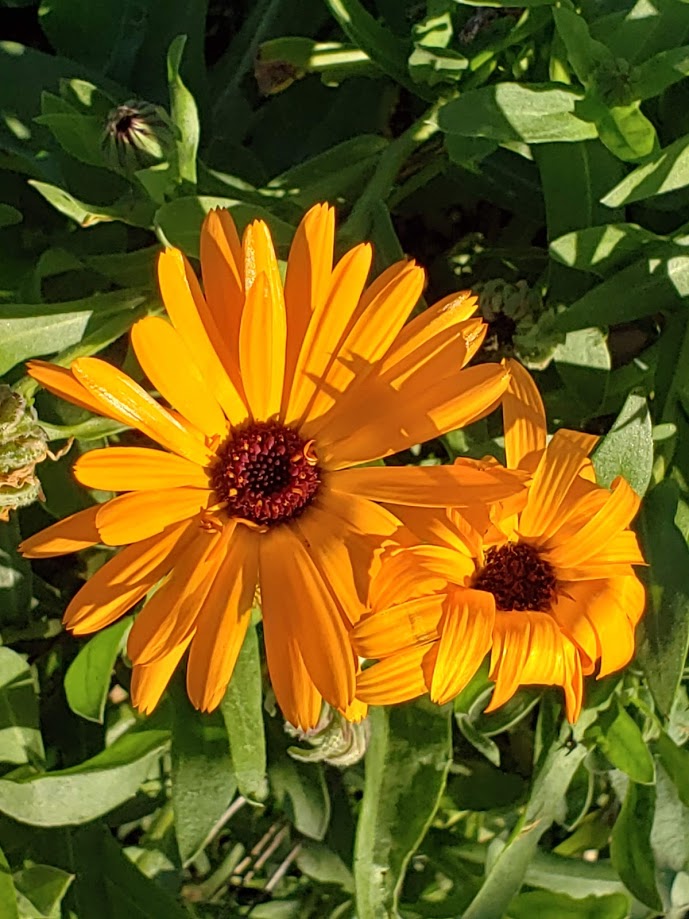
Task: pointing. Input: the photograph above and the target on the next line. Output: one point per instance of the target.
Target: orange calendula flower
(269, 394)
(544, 580)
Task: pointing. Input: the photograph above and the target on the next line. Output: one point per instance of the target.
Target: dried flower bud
(137, 134)
(23, 444)
(334, 740)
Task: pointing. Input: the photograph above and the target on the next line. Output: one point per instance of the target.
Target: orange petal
(168, 364)
(76, 532)
(397, 627)
(432, 525)
(398, 678)
(262, 342)
(121, 395)
(523, 416)
(327, 327)
(139, 514)
(222, 266)
(379, 420)
(223, 620)
(617, 553)
(136, 469)
(569, 612)
(61, 382)
(291, 587)
(418, 571)
(169, 617)
(427, 486)
(193, 320)
(124, 580)
(149, 681)
(465, 640)
(299, 700)
(607, 609)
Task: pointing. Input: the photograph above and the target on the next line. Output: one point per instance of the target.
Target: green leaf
(178, 223)
(585, 54)
(667, 171)
(300, 791)
(79, 135)
(184, 113)
(663, 633)
(203, 782)
(550, 905)
(659, 283)
(583, 362)
(675, 761)
(535, 114)
(627, 448)
(621, 740)
(87, 681)
(8, 898)
(407, 761)
(319, 862)
(640, 30)
(132, 210)
(624, 129)
(20, 736)
(86, 791)
(479, 741)
(15, 575)
(655, 75)
(630, 847)
(601, 249)
(30, 330)
(40, 891)
(9, 216)
(242, 709)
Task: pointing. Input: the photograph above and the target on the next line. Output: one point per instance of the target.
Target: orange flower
(544, 581)
(274, 392)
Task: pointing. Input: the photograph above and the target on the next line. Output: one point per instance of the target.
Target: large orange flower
(544, 580)
(274, 391)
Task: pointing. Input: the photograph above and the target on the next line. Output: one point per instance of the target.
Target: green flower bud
(23, 444)
(137, 134)
(334, 740)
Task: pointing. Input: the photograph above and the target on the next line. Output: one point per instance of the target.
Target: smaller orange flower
(544, 580)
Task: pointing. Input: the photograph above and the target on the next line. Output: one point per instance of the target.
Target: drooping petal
(607, 610)
(291, 587)
(118, 393)
(139, 514)
(193, 320)
(464, 641)
(149, 681)
(328, 325)
(79, 531)
(62, 382)
(222, 623)
(295, 692)
(222, 267)
(570, 613)
(418, 571)
(427, 486)
(262, 341)
(523, 416)
(169, 365)
(395, 628)
(398, 678)
(381, 420)
(124, 580)
(169, 617)
(136, 469)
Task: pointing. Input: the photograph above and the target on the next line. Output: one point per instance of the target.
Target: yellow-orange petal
(379, 421)
(120, 394)
(295, 692)
(124, 580)
(593, 536)
(262, 342)
(465, 639)
(222, 623)
(222, 267)
(169, 365)
(432, 525)
(169, 616)
(292, 587)
(394, 628)
(369, 339)
(558, 468)
(611, 559)
(608, 606)
(417, 571)
(139, 514)
(328, 325)
(427, 486)
(136, 469)
(149, 681)
(193, 320)
(523, 416)
(570, 613)
(61, 382)
(76, 532)
(398, 678)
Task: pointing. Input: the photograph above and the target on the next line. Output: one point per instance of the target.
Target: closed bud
(137, 134)
(334, 740)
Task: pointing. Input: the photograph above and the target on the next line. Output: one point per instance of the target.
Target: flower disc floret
(265, 472)
(518, 578)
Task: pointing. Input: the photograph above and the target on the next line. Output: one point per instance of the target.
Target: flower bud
(137, 134)
(23, 444)
(334, 740)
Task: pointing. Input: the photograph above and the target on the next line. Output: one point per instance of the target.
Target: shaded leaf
(583, 362)
(601, 249)
(40, 891)
(667, 171)
(87, 681)
(630, 848)
(300, 790)
(627, 448)
(8, 899)
(184, 113)
(549, 905)
(621, 740)
(15, 573)
(20, 736)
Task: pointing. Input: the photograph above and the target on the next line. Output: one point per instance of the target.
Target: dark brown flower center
(265, 472)
(518, 578)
